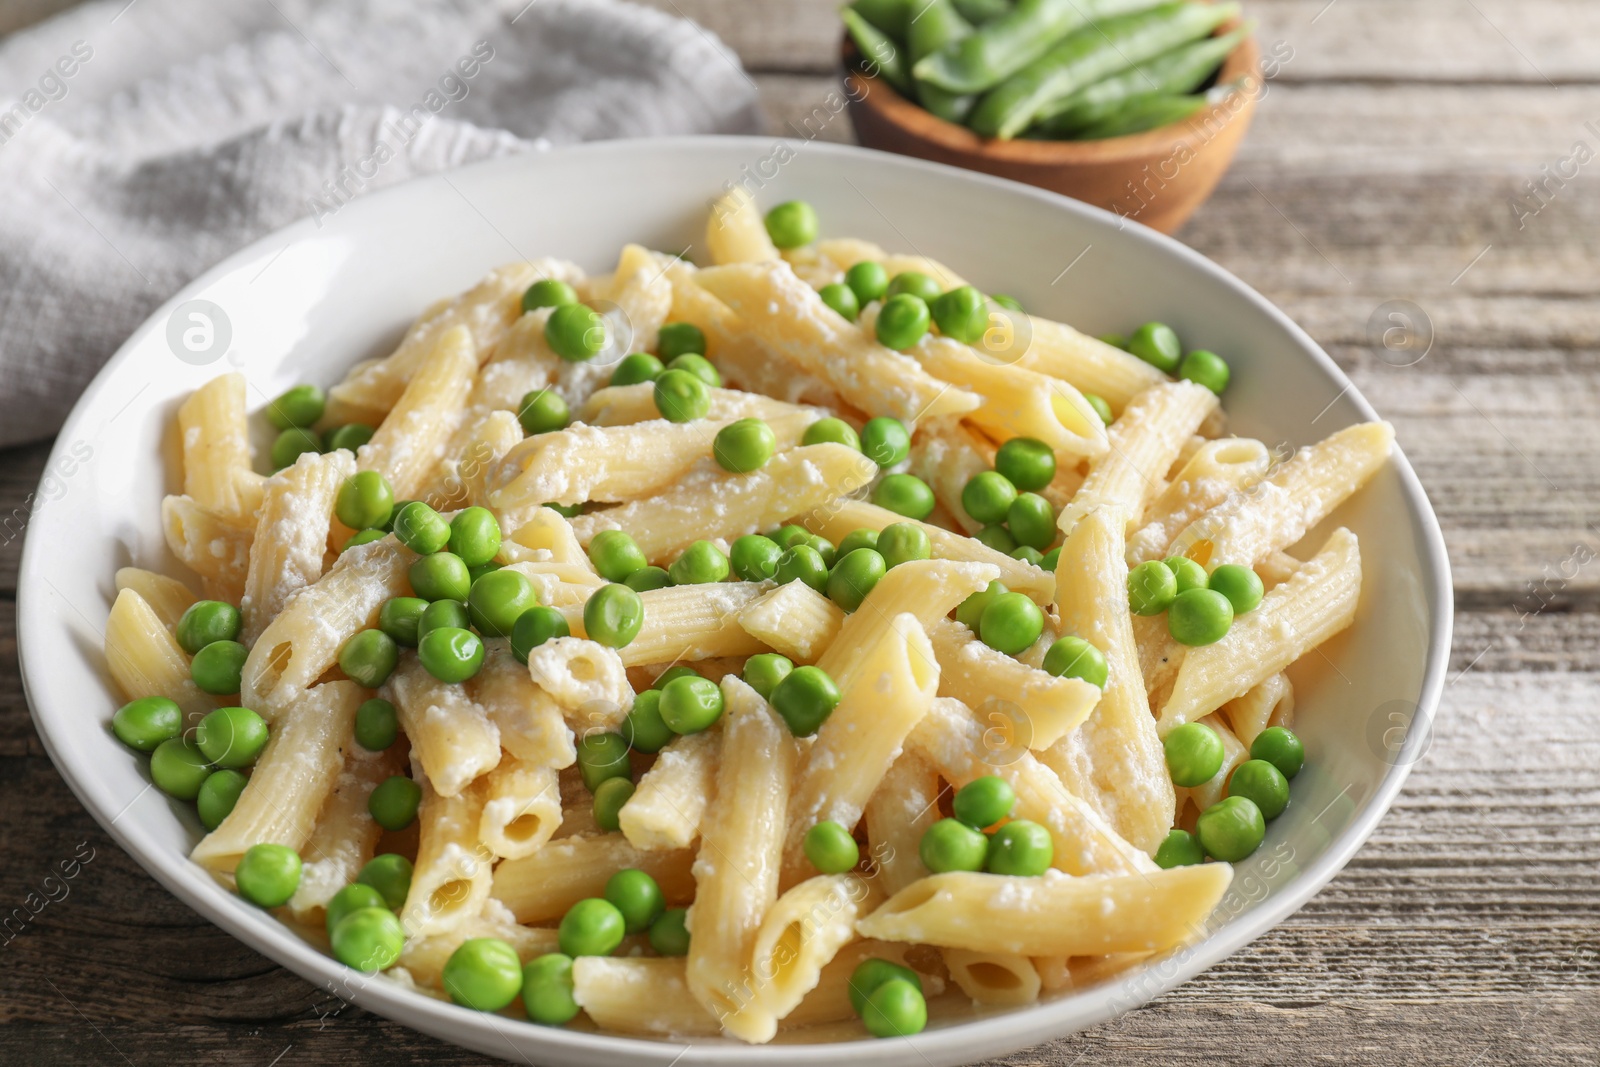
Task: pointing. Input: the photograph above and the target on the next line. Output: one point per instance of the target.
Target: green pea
(690, 705)
(700, 563)
(1010, 303)
(293, 443)
(997, 537)
(1205, 368)
(608, 801)
(792, 224)
(377, 725)
(268, 874)
(1157, 345)
(365, 501)
(440, 614)
(764, 671)
(548, 293)
(854, 576)
(615, 555)
(613, 615)
(1027, 555)
(369, 658)
(700, 367)
(219, 667)
(1179, 849)
(902, 322)
(830, 848)
(1261, 782)
(231, 737)
(450, 654)
(744, 446)
(566, 511)
(885, 441)
(474, 536)
(575, 332)
(637, 896)
(1241, 585)
(872, 973)
(474, 573)
(1115, 340)
(951, 845)
(534, 627)
(389, 874)
(1199, 617)
(962, 314)
(805, 697)
(754, 558)
(984, 801)
(803, 563)
(1281, 748)
(602, 756)
(1231, 829)
(1101, 408)
(831, 429)
(1151, 588)
(1032, 521)
(860, 538)
(915, 283)
(145, 723)
(351, 898)
(1049, 560)
(205, 622)
(484, 973)
(591, 927)
(300, 406)
(789, 536)
(1020, 848)
(987, 497)
(1027, 463)
(823, 548)
(842, 299)
(218, 794)
(179, 768)
(421, 529)
(679, 339)
(672, 674)
(393, 804)
(970, 612)
(547, 989)
(400, 617)
(1194, 754)
(1011, 623)
(1073, 657)
(498, 599)
(350, 437)
(363, 537)
(644, 730)
(868, 280)
(368, 939)
(441, 576)
(904, 494)
(1190, 575)
(681, 397)
(647, 578)
(636, 368)
(669, 935)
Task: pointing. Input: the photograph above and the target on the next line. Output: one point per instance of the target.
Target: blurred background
(1415, 191)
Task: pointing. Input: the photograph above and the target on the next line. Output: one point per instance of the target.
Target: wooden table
(1382, 167)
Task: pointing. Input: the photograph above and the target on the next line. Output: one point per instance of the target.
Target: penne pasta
(793, 619)
(1215, 471)
(539, 888)
(215, 434)
(690, 622)
(521, 808)
(410, 442)
(670, 801)
(451, 737)
(346, 835)
(167, 597)
(454, 868)
(146, 660)
(735, 232)
(800, 936)
(211, 545)
(973, 673)
(291, 540)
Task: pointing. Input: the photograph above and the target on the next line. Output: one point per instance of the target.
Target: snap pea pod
(879, 54)
(978, 12)
(1004, 45)
(933, 27)
(1092, 53)
(891, 16)
(1142, 113)
(1182, 70)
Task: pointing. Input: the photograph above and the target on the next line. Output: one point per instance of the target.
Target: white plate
(306, 303)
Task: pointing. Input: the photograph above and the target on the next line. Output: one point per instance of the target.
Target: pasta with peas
(811, 641)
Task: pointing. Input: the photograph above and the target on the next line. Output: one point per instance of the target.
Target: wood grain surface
(1381, 167)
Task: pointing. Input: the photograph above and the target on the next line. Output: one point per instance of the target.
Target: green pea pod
(1004, 45)
(978, 12)
(1182, 70)
(879, 54)
(1142, 113)
(891, 16)
(952, 107)
(1107, 47)
(936, 25)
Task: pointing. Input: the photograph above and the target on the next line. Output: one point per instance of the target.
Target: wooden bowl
(1158, 177)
